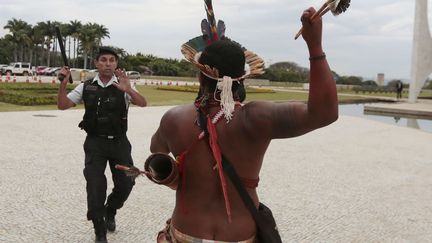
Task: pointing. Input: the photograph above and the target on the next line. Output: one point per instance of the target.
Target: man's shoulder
(257, 107)
(180, 110)
(178, 113)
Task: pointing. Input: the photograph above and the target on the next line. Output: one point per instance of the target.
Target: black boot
(100, 230)
(110, 218)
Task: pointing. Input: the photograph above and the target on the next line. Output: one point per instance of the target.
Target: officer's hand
(64, 74)
(123, 81)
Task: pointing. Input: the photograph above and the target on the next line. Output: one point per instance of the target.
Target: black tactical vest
(105, 110)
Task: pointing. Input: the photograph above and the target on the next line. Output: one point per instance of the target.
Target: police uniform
(105, 121)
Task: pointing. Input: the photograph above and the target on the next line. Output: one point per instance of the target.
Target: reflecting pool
(358, 110)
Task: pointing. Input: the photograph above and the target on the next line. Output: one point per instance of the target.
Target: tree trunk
(48, 55)
(74, 53)
(15, 54)
(31, 56)
(21, 53)
(85, 59)
(55, 53)
(69, 49)
(42, 55)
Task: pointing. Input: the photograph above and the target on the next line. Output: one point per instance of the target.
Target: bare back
(243, 141)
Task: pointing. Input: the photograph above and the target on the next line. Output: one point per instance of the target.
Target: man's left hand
(123, 81)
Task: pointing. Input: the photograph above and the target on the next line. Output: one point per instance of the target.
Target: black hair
(229, 59)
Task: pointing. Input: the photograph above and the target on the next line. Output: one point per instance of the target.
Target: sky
(371, 37)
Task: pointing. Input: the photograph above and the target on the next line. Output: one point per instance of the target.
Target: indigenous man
(106, 101)
(208, 208)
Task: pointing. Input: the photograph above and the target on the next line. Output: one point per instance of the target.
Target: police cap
(106, 50)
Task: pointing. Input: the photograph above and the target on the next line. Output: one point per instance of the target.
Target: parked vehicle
(133, 75)
(2, 67)
(52, 71)
(19, 68)
(40, 70)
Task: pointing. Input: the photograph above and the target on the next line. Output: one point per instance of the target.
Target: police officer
(106, 100)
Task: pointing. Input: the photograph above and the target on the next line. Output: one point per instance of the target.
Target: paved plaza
(356, 180)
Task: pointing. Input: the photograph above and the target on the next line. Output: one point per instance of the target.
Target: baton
(63, 53)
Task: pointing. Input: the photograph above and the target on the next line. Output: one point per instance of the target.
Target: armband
(315, 58)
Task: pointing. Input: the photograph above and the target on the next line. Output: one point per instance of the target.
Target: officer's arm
(63, 102)
(137, 98)
(125, 85)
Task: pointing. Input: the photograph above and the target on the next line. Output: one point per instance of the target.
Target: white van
(18, 68)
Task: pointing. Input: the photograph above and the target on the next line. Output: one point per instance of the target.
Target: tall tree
(36, 49)
(19, 31)
(66, 33)
(91, 36)
(55, 58)
(75, 28)
(48, 30)
(101, 33)
(6, 50)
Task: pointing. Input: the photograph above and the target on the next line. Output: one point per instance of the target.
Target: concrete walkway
(420, 109)
(354, 181)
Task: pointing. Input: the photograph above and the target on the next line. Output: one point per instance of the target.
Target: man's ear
(95, 62)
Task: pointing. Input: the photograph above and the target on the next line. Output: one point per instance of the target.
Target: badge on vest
(91, 87)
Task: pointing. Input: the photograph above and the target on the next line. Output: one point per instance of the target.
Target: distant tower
(380, 79)
(421, 65)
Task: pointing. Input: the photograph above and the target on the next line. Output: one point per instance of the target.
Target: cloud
(372, 36)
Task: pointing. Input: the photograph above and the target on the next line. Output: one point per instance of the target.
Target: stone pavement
(354, 181)
(420, 109)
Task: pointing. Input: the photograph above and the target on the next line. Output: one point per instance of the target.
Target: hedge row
(29, 94)
(28, 100)
(373, 89)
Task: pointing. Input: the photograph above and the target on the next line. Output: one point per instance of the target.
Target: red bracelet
(322, 56)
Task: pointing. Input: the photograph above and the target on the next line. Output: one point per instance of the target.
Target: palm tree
(101, 32)
(25, 42)
(66, 34)
(48, 30)
(6, 50)
(75, 27)
(91, 36)
(87, 40)
(12, 44)
(55, 42)
(37, 39)
(19, 30)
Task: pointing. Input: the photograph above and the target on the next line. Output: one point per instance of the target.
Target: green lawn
(156, 97)
(426, 94)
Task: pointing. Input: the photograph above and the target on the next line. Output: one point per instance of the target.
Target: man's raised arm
(63, 102)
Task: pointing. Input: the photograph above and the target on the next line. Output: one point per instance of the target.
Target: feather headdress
(211, 33)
